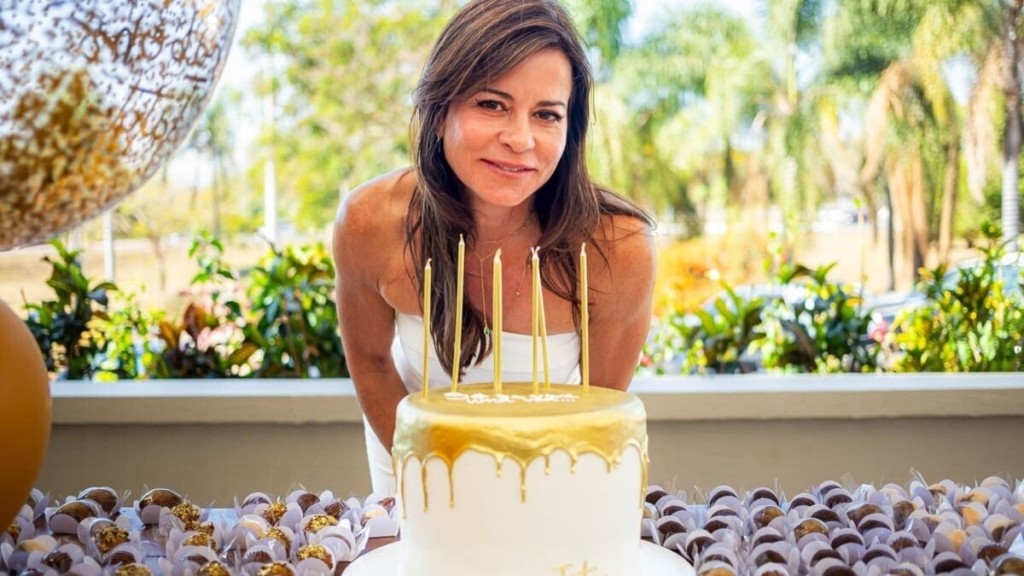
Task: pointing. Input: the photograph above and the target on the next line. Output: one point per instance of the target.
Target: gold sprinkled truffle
(274, 512)
(200, 539)
(213, 569)
(318, 551)
(205, 528)
(188, 513)
(318, 522)
(133, 569)
(280, 535)
(107, 537)
(14, 529)
(276, 569)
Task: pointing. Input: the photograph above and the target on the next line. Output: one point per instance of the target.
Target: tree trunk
(900, 216)
(950, 180)
(890, 240)
(918, 215)
(1012, 131)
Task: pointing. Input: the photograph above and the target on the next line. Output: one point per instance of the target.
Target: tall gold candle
(496, 321)
(426, 327)
(543, 337)
(534, 311)
(460, 274)
(585, 321)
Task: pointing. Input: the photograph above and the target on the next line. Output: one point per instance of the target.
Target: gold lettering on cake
(570, 570)
(605, 423)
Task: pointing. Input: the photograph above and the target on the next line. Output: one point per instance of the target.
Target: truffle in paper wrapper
(150, 506)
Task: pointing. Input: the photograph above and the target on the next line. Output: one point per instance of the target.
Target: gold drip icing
(602, 422)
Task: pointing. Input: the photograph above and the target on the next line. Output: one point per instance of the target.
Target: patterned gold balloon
(94, 98)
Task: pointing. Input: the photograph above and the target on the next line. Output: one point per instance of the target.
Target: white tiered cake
(520, 479)
(521, 483)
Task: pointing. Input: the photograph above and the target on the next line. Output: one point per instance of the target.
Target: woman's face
(504, 142)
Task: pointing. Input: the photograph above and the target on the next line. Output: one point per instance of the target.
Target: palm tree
(998, 33)
(671, 108)
(898, 51)
(601, 24)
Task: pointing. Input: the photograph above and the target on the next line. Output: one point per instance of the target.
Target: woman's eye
(490, 104)
(549, 116)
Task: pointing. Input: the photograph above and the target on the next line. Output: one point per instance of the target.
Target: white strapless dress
(517, 366)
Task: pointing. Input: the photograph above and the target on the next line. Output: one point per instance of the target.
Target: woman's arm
(621, 293)
(362, 250)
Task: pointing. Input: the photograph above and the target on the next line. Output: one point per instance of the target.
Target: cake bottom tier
(553, 517)
(654, 561)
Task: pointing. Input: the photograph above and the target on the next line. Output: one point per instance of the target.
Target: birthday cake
(526, 481)
(520, 479)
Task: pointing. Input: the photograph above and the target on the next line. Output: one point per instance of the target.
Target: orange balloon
(25, 413)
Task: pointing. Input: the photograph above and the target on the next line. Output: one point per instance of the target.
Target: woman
(500, 122)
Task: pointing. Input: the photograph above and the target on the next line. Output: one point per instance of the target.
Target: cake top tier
(519, 424)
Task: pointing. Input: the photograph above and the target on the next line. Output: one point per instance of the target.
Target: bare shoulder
(374, 213)
(376, 203)
(628, 243)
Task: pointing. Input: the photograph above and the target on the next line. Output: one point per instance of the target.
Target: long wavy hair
(483, 41)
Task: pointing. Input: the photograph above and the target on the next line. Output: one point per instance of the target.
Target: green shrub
(799, 322)
(712, 340)
(207, 340)
(124, 338)
(63, 327)
(277, 319)
(294, 320)
(822, 330)
(970, 320)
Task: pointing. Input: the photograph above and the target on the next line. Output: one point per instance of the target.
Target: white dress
(517, 360)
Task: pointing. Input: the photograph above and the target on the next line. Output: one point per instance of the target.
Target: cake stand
(654, 561)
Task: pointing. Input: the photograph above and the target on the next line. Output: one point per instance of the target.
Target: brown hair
(481, 43)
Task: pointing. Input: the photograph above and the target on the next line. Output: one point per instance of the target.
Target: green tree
(914, 127)
(669, 112)
(343, 75)
(601, 24)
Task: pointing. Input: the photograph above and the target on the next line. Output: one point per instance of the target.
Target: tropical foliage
(900, 104)
(967, 320)
(277, 319)
(910, 107)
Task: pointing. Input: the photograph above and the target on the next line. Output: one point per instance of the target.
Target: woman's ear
(439, 126)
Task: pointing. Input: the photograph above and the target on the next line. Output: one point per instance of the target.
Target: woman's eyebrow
(508, 96)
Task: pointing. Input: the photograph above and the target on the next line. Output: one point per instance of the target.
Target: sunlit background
(759, 132)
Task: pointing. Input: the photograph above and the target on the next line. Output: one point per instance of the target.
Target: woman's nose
(517, 134)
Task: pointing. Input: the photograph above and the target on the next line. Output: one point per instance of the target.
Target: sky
(647, 12)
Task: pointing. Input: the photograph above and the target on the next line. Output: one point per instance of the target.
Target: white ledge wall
(214, 440)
